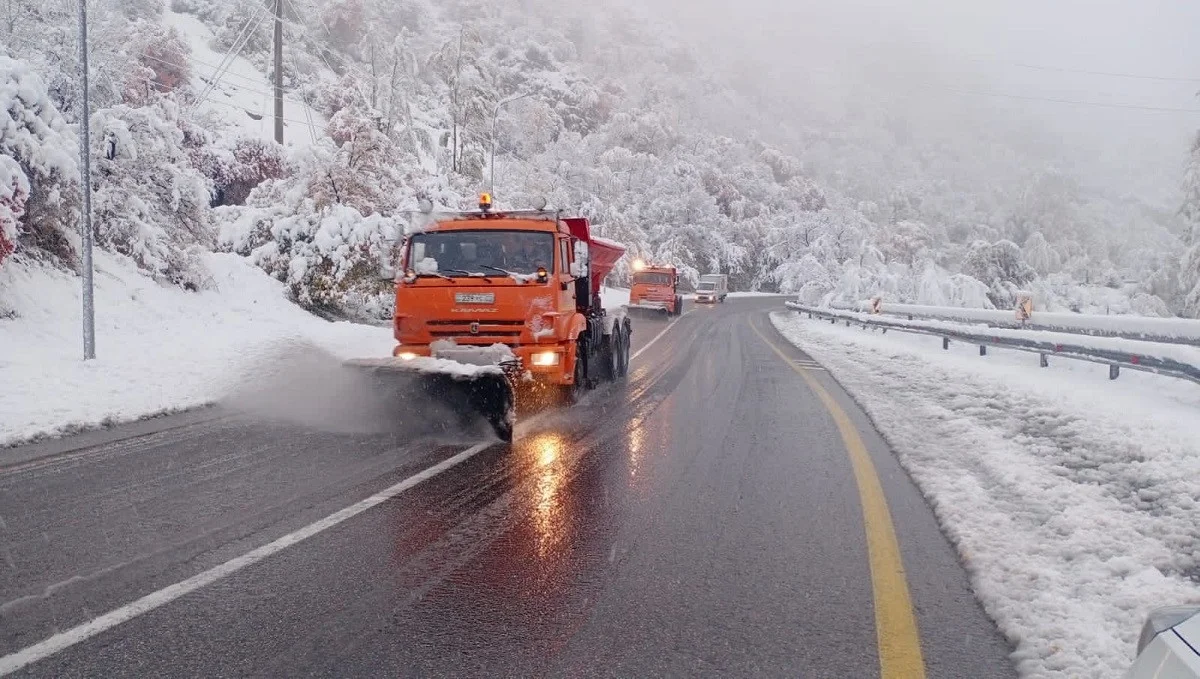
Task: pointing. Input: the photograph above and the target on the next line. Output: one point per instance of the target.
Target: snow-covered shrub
(36, 138)
(150, 203)
(204, 9)
(936, 287)
(14, 191)
(329, 258)
(160, 64)
(999, 266)
(236, 166)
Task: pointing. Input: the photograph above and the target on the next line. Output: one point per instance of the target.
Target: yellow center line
(896, 632)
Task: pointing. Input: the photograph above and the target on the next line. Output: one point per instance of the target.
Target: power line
(248, 111)
(243, 37)
(1098, 104)
(1110, 74)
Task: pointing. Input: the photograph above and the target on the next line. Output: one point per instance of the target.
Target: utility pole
(495, 117)
(85, 176)
(279, 71)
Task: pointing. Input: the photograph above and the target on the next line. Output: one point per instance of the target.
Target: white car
(1169, 647)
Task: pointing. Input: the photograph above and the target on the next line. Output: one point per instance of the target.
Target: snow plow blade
(430, 386)
(647, 310)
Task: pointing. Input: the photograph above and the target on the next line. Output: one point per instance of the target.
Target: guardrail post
(1114, 371)
(983, 350)
(1044, 361)
(833, 320)
(946, 343)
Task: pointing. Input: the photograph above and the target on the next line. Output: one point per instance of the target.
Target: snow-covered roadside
(159, 349)
(1074, 502)
(613, 298)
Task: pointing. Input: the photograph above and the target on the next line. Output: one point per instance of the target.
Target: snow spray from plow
(304, 385)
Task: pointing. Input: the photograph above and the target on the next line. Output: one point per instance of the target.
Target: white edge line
(664, 331)
(63, 640)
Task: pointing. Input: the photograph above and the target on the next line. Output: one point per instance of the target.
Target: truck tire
(612, 355)
(572, 393)
(626, 341)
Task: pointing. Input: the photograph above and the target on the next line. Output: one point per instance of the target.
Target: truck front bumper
(544, 363)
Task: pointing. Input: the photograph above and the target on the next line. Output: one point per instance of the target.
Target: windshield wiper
(434, 273)
(503, 271)
(470, 274)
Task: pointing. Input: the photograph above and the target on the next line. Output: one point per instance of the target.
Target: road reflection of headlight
(636, 437)
(547, 452)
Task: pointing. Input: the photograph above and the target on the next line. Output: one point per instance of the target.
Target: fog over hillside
(937, 152)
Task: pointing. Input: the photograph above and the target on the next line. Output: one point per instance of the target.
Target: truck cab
(655, 287)
(712, 288)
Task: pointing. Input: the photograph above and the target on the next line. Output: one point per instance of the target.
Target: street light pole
(495, 117)
(85, 156)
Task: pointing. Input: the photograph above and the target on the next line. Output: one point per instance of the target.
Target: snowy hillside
(603, 108)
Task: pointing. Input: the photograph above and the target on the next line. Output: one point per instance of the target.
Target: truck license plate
(474, 297)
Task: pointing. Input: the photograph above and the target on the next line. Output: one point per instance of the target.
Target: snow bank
(159, 349)
(1147, 327)
(613, 298)
(1073, 501)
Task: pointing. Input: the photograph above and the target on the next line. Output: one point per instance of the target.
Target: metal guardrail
(1045, 348)
(1142, 328)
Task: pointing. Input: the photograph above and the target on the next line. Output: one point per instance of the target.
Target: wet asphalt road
(701, 519)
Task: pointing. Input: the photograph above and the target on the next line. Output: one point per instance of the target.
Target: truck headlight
(545, 359)
(1162, 619)
(406, 355)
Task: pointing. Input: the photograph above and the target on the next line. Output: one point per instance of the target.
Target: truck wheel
(571, 393)
(626, 340)
(612, 359)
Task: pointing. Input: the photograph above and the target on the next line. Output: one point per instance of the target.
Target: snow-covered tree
(999, 266)
(34, 136)
(160, 63)
(1189, 270)
(150, 203)
(1040, 255)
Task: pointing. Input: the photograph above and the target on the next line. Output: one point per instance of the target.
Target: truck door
(568, 294)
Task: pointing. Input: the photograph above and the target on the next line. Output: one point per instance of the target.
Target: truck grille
(459, 321)
(490, 329)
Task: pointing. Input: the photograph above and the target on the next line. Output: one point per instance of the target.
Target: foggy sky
(934, 58)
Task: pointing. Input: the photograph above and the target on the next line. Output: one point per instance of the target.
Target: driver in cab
(523, 256)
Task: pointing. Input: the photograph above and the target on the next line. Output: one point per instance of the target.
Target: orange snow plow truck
(655, 289)
(493, 305)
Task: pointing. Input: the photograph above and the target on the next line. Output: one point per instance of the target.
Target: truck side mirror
(579, 268)
(387, 267)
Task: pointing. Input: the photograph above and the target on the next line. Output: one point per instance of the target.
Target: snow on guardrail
(1166, 330)
(1171, 359)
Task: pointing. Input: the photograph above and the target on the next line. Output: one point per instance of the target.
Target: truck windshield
(706, 287)
(466, 253)
(652, 278)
